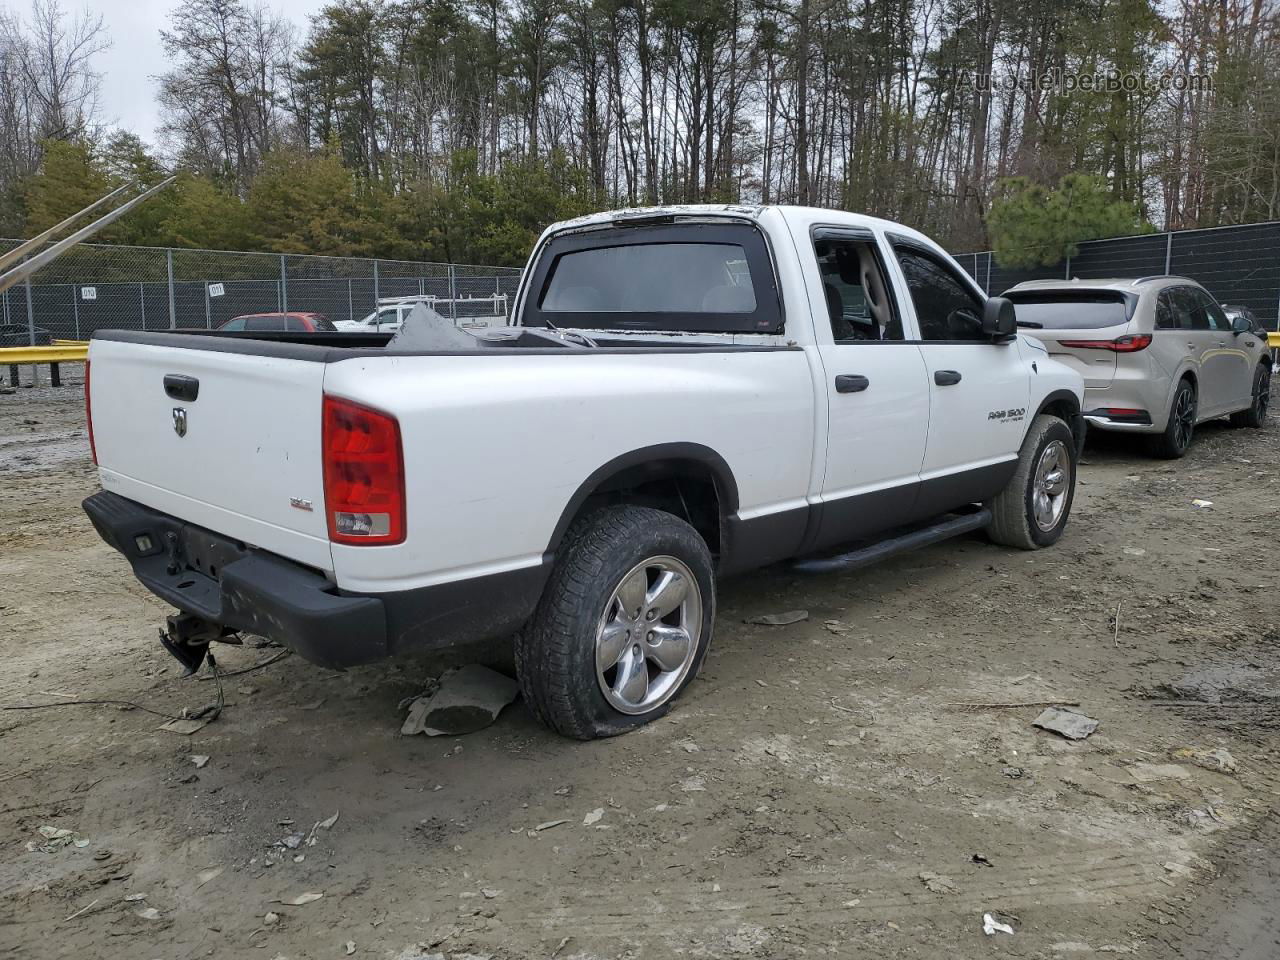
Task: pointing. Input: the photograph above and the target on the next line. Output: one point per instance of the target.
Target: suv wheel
(1256, 415)
(1031, 512)
(1176, 439)
(623, 624)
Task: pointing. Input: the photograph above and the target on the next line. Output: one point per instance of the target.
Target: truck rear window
(1070, 311)
(684, 276)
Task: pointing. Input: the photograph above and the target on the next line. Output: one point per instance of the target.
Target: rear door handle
(851, 383)
(946, 378)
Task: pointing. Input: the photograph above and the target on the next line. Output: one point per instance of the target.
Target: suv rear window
(700, 277)
(1070, 311)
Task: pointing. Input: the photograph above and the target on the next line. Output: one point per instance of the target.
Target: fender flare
(1076, 423)
(656, 455)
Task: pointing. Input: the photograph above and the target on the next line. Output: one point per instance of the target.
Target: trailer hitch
(187, 638)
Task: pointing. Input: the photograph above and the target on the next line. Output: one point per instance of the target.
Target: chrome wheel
(1051, 485)
(1184, 418)
(648, 635)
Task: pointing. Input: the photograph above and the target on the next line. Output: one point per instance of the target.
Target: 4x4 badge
(180, 421)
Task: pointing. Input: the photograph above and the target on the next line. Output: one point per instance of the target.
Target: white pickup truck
(683, 393)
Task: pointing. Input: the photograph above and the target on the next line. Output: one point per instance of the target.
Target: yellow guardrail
(1273, 338)
(53, 353)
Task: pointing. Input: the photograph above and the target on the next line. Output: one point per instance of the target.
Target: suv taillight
(1130, 344)
(88, 414)
(363, 474)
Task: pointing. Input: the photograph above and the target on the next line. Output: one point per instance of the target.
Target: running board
(953, 526)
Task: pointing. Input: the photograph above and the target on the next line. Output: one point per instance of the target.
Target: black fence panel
(1127, 257)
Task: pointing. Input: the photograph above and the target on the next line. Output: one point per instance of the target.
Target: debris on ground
(468, 699)
(206, 876)
(1202, 504)
(200, 760)
(1219, 759)
(992, 926)
(779, 619)
(981, 860)
(593, 817)
(55, 838)
(148, 913)
(1066, 723)
(271, 919)
(301, 900)
(1135, 551)
(937, 883)
(350, 947)
(548, 825)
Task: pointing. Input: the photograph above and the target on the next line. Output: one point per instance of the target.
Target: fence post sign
(216, 290)
(88, 293)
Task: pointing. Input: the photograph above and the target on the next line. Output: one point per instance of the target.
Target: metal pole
(453, 293)
(142, 299)
(1067, 276)
(75, 308)
(208, 318)
(988, 273)
(31, 316)
(375, 285)
(351, 311)
(1168, 253)
(284, 286)
(173, 314)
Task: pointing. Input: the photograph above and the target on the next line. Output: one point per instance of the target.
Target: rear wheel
(1032, 511)
(1256, 415)
(623, 625)
(1176, 439)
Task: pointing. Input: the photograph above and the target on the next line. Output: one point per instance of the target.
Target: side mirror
(999, 320)
(1240, 325)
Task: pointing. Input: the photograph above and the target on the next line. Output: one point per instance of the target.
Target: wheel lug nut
(650, 636)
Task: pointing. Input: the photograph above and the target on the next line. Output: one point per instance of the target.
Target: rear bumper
(229, 583)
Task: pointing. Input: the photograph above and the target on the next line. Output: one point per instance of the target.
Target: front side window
(264, 323)
(1189, 310)
(945, 308)
(235, 324)
(1216, 319)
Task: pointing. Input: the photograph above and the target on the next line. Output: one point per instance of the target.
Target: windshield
(1070, 311)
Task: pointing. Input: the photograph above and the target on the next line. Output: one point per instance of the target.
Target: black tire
(1013, 511)
(556, 651)
(1175, 441)
(1256, 415)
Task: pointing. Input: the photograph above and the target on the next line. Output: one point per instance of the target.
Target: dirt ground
(824, 789)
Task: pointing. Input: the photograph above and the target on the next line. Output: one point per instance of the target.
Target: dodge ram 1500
(682, 393)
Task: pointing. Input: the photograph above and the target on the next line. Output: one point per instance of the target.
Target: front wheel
(623, 624)
(1031, 512)
(1256, 415)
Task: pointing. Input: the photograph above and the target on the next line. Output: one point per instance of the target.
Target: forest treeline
(456, 129)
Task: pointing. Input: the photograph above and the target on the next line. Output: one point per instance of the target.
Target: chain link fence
(102, 286)
(1238, 265)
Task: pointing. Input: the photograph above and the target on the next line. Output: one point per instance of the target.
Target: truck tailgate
(242, 459)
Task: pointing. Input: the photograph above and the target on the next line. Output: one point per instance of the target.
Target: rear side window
(264, 323)
(1070, 311)
(297, 325)
(714, 278)
(235, 324)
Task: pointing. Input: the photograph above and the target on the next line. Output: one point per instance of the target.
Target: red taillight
(1131, 344)
(88, 414)
(363, 474)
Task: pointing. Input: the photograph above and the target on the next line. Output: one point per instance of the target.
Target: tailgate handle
(180, 387)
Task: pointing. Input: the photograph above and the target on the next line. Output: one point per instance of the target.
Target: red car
(292, 322)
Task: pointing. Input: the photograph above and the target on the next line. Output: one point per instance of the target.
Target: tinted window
(1068, 311)
(945, 307)
(264, 323)
(235, 324)
(652, 278)
(296, 325)
(1189, 310)
(1213, 313)
(320, 322)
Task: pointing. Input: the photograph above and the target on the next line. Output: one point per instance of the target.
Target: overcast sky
(128, 90)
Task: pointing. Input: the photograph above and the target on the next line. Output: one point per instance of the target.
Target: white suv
(1158, 354)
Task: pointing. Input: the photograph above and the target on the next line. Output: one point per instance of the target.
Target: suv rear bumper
(229, 583)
